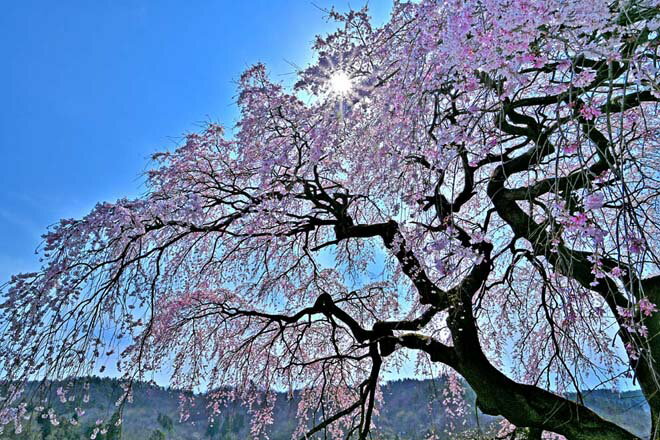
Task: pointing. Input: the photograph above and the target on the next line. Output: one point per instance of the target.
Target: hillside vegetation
(412, 410)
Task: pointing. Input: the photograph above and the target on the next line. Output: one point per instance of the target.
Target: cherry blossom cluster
(475, 182)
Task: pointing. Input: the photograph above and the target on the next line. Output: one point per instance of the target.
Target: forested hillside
(412, 410)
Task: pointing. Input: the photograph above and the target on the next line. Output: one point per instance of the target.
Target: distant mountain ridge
(412, 409)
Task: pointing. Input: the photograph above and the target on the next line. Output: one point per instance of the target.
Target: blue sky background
(90, 89)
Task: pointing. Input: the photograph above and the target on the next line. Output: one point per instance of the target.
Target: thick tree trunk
(647, 369)
(529, 406)
(648, 365)
(523, 405)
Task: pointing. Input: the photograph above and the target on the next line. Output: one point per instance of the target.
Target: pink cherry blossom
(470, 188)
(593, 201)
(646, 307)
(590, 112)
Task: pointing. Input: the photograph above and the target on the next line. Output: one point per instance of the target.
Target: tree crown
(494, 162)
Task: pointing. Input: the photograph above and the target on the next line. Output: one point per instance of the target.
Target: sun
(340, 83)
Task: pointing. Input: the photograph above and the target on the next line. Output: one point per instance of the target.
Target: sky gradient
(91, 89)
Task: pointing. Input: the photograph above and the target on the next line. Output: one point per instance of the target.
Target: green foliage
(157, 435)
(165, 422)
(412, 410)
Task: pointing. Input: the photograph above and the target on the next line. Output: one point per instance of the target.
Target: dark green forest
(412, 410)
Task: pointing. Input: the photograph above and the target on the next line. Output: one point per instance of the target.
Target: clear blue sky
(89, 89)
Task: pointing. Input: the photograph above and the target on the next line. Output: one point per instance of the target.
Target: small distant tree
(165, 422)
(114, 427)
(157, 435)
(476, 182)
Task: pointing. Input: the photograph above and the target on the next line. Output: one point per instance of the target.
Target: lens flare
(340, 83)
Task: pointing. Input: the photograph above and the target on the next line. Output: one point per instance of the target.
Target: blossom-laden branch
(482, 190)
